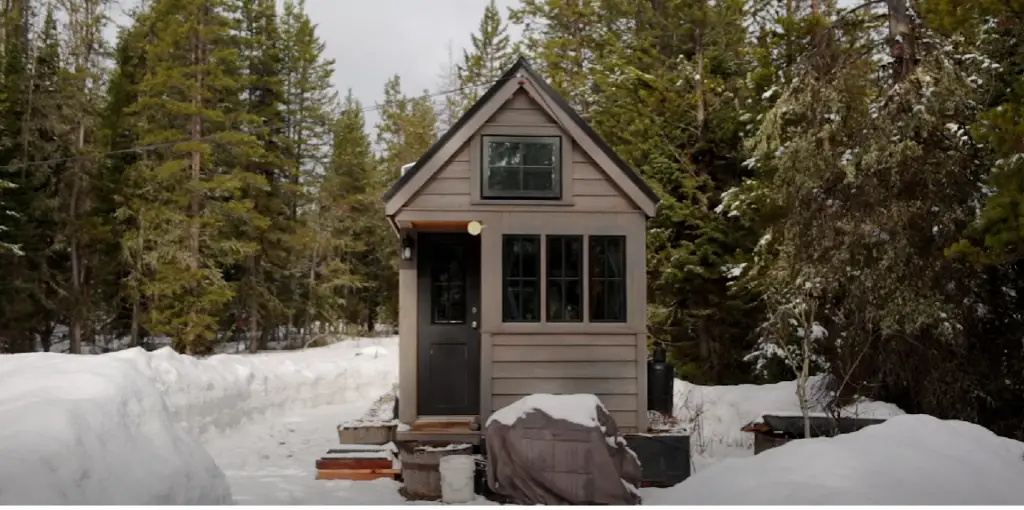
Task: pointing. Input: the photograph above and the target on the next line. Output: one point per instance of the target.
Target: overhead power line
(164, 145)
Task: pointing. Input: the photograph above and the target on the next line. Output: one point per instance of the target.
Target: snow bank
(91, 430)
(221, 392)
(129, 426)
(580, 408)
(908, 460)
(715, 415)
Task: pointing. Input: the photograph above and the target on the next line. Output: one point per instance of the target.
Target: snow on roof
(579, 408)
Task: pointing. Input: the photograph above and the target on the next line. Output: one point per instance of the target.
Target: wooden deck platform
(443, 428)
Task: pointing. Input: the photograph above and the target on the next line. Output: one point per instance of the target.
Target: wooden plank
(335, 463)
(521, 117)
(440, 202)
(585, 170)
(594, 188)
(566, 369)
(461, 155)
(447, 186)
(555, 352)
(611, 402)
(522, 101)
(550, 339)
(455, 169)
(624, 419)
(345, 474)
(440, 226)
(557, 385)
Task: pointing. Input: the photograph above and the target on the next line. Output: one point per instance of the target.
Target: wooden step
(356, 474)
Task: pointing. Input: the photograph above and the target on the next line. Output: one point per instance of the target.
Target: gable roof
(523, 66)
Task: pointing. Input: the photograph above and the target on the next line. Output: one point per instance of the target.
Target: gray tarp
(547, 461)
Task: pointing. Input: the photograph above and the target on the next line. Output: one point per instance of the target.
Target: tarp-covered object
(560, 449)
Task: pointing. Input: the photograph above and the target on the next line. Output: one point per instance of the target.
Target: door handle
(473, 324)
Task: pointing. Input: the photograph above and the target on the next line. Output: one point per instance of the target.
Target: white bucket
(457, 478)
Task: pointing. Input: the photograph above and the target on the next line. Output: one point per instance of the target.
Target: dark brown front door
(449, 339)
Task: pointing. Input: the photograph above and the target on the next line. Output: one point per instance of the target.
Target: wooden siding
(608, 360)
(603, 365)
(452, 188)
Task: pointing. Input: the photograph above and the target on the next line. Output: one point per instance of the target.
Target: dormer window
(522, 167)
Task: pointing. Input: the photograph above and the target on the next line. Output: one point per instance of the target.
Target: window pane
(448, 293)
(615, 257)
(574, 257)
(538, 179)
(530, 253)
(521, 281)
(521, 167)
(530, 301)
(564, 287)
(555, 252)
(502, 178)
(607, 278)
(538, 154)
(574, 301)
(504, 154)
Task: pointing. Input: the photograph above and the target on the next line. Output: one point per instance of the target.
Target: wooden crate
(366, 434)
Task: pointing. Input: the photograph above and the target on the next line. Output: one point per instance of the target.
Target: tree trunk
(902, 46)
(700, 82)
(253, 307)
(75, 328)
(196, 127)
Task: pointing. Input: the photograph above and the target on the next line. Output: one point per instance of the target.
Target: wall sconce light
(408, 245)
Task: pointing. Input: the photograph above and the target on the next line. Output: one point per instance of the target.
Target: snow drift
(127, 427)
(219, 393)
(908, 460)
(715, 415)
(95, 430)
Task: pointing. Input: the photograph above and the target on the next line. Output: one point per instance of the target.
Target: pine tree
(348, 215)
(266, 270)
(192, 193)
(407, 128)
(128, 230)
(492, 53)
(82, 227)
(564, 39)
(864, 176)
(309, 103)
(14, 58)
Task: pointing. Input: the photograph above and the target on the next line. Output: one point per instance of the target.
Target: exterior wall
(456, 185)
(605, 365)
(606, 359)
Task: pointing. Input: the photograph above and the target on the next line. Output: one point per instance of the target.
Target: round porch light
(474, 228)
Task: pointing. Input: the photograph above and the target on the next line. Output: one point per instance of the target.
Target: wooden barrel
(420, 468)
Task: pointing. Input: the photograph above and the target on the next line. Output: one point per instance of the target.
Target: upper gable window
(522, 167)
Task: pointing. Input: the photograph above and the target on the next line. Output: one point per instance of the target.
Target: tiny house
(522, 265)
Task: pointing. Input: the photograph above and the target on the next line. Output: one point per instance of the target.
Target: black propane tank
(661, 376)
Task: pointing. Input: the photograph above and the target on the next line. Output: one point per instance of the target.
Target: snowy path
(271, 461)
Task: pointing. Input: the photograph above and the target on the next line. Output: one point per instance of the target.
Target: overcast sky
(370, 40)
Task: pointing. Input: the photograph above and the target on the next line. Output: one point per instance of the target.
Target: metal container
(664, 458)
(661, 377)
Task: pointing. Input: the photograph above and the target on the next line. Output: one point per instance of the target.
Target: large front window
(521, 279)
(565, 283)
(522, 167)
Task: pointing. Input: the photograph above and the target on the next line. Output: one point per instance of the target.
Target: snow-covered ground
(715, 415)
(908, 460)
(156, 427)
(162, 428)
